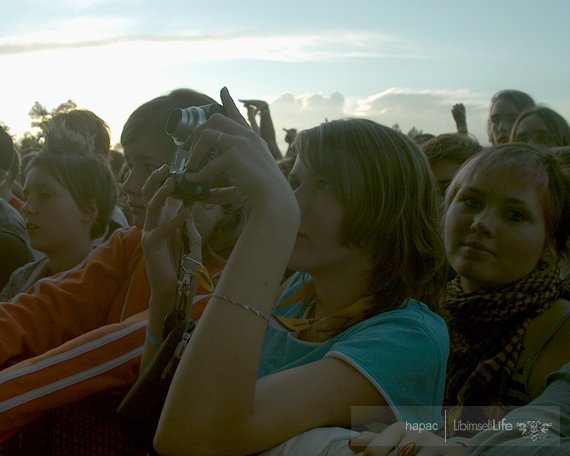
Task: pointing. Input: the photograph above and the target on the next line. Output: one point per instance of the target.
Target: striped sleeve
(101, 360)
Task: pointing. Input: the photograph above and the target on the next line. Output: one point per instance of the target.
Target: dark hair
(385, 185)
(554, 122)
(520, 100)
(148, 121)
(6, 149)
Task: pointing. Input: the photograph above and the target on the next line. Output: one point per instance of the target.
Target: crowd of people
(363, 292)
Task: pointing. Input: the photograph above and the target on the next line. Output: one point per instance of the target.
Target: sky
(397, 61)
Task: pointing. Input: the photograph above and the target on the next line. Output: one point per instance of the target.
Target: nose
(27, 207)
(483, 222)
(128, 185)
(303, 200)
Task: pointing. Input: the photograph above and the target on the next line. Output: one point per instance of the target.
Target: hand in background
(460, 116)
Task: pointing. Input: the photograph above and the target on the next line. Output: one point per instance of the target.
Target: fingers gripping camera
(180, 125)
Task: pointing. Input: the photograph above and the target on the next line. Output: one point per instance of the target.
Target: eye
(516, 215)
(471, 202)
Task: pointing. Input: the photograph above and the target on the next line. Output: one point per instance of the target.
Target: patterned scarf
(487, 328)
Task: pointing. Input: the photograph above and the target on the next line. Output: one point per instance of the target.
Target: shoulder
(411, 328)
(127, 238)
(414, 317)
(546, 341)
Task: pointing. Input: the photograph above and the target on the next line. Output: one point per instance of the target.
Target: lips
(477, 246)
(31, 226)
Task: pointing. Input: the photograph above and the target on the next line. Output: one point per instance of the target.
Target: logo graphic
(534, 429)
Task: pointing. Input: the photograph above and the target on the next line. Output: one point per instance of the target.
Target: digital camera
(180, 125)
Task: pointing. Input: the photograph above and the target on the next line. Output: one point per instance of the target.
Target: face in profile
(53, 218)
(502, 118)
(494, 231)
(531, 129)
(319, 247)
(142, 158)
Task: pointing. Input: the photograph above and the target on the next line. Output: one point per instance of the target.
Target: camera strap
(188, 270)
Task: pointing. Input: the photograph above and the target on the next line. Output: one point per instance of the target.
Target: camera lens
(182, 122)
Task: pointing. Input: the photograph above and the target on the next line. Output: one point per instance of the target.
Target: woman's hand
(397, 440)
(162, 233)
(244, 157)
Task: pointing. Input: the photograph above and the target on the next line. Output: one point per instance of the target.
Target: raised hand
(162, 233)
(459, 115)
(241, 155)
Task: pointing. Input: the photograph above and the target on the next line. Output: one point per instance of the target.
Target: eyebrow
(509, 200)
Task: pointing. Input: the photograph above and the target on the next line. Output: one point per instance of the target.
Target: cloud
(79, 32)
(91, 32)
(427, 110)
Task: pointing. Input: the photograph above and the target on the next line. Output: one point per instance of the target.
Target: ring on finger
(408, 449)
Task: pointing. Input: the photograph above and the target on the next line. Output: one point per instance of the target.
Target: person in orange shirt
(82, 332)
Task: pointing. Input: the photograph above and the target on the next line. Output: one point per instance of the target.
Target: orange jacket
(97, 292)
(80, 333)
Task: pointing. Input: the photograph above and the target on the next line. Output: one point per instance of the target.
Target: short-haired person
(83, 125)
(68, 200)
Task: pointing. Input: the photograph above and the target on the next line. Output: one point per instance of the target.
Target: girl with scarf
(506, 225)
(505, 228)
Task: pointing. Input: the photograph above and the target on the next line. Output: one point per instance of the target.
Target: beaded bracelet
(244, 306)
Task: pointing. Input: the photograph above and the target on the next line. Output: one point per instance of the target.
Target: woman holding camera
(358, 220)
